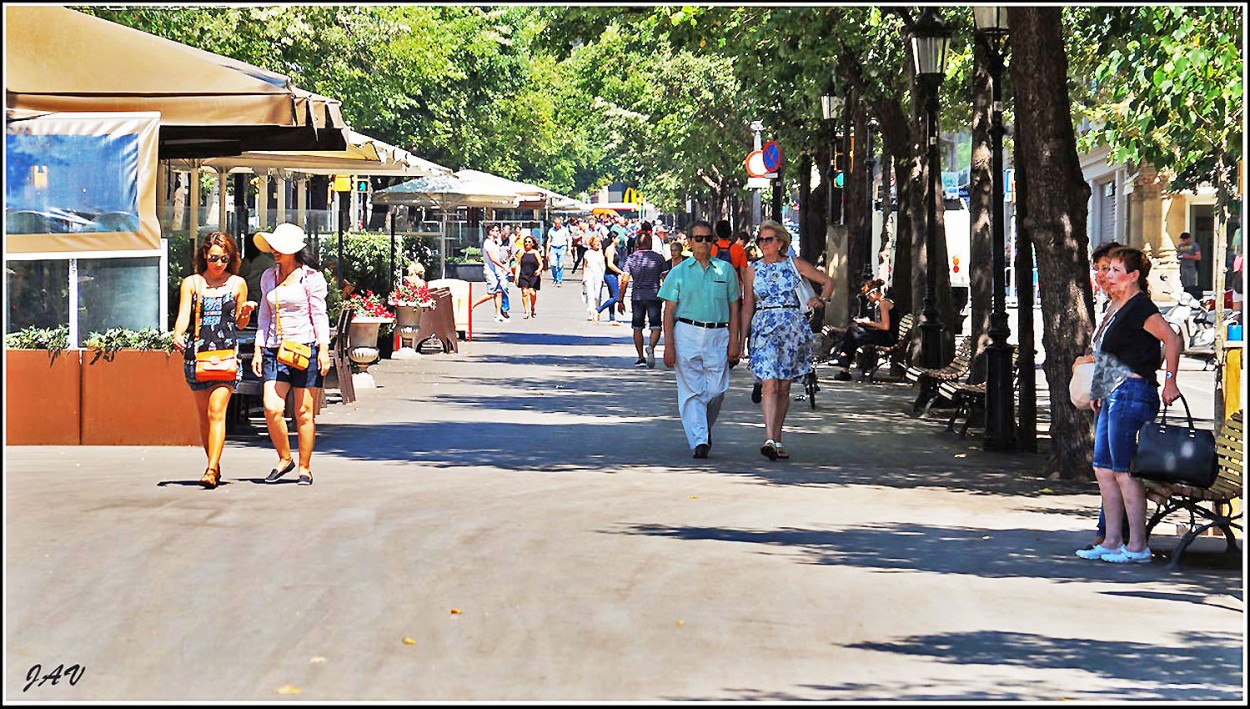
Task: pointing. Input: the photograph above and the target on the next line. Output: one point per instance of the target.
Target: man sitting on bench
(876, 329)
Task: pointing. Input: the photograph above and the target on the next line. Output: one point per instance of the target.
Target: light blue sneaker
(1096, 552)
(1124, 556)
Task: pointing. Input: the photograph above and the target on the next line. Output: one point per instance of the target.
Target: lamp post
(830, 108)
(757, 127)
(929, 40)
(1000, 423)
(870, 260)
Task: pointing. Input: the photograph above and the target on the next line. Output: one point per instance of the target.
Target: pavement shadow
(984, 553)
(1199, 667)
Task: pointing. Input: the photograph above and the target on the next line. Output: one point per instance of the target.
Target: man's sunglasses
(217, 259)
(701, 237)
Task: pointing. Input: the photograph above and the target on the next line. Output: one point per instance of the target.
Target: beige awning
(59, 60)
(364, 155)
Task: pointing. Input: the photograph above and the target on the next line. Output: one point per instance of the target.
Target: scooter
(1195, 324)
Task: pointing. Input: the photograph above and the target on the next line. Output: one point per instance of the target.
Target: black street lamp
(929, 40)
(1000, 420)
(830, 108)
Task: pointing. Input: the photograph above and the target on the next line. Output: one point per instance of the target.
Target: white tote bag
(803, 290)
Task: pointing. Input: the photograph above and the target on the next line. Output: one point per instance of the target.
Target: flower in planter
(410, 294)
(369, 304)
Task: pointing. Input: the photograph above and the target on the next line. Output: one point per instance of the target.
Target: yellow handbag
(290, 353)
(214, 365)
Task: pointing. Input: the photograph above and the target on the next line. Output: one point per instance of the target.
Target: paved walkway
(526, 514)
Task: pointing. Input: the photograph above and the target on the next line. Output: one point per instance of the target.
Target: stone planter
(42, 396)
(466, 271)
(407, 325)
(362, 342)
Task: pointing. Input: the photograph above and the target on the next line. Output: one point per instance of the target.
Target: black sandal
(210, 478)
(305, 478)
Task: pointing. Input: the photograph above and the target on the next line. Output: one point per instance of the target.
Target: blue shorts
(1132, 404)
(274, 371)
(649, 310)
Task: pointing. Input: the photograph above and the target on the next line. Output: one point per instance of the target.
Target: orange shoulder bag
(214, 365)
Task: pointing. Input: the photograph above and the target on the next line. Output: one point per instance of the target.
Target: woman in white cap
(292, 310)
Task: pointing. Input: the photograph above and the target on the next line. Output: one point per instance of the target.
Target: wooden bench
(968, 399)
(928, 379)
(873, 357)
(1213, 504)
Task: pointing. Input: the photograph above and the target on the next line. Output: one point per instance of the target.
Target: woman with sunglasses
(780, 337)
(529, 275)
(213, 302)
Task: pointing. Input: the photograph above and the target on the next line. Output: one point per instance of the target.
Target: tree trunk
(1056, 201)
(906, 232)
(1026, 351)
(858, 219)
(885, 261)
(812, 240)
(980, 207)
(805, 200)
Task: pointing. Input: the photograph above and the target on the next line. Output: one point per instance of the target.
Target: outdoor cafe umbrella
(60, 60)
(467, 188)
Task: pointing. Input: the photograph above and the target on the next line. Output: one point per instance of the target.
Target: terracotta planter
(140, 398)
(42, 396)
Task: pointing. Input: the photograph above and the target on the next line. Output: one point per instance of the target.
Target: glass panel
(57, 184)
(36, 293)
(118, 292)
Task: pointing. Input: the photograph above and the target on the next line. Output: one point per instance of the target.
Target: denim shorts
(1132, 404)
(648, 310)
(274, 371)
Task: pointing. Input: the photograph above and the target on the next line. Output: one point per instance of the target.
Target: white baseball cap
(286, 238)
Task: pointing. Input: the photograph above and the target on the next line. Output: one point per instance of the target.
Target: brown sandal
(210, 478)
(781, 452)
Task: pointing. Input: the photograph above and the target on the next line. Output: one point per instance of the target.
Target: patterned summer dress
(781, 339)
(218, 331)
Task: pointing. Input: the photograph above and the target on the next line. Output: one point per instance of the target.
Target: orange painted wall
(41, 396)
(140, 398)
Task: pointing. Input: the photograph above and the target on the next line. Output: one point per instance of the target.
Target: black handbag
(1175, 454)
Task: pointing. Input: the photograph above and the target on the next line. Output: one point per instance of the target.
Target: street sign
(772, 155)
(759, 183)
(1009, 185)
(342, 183)
(755, 164)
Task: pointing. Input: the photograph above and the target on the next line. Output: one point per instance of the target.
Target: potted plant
(362, 335)
(134, 391)
(409, 299)
(42, 388)
(467, 266)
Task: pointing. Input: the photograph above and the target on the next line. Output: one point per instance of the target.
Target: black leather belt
(709, 325)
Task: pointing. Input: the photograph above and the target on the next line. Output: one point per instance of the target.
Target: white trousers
(702, 377)
(591, 293)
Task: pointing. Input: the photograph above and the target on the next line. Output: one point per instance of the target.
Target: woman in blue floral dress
(781, 339)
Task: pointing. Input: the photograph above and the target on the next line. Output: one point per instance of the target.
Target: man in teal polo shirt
(701, 324)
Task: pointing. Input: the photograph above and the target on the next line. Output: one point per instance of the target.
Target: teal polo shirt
(702, 294)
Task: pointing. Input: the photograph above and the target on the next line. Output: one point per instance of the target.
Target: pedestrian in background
(781, 339)
(529, 276)
(643, 269)
(701, 335)
(1126, 359)
(876, 327)
(613, 258)
(493, 268)
(592, 277)
(293, 310)
(214, 300)
(558, 241)
(1189, 254)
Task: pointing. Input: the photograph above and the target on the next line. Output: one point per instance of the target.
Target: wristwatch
(1169, 375)
(827, 300)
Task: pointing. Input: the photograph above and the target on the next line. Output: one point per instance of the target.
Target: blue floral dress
(781, 339)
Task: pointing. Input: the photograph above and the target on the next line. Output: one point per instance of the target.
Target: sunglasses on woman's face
(217, 259)
(766, 239)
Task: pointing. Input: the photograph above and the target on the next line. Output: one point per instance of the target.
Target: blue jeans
(506, 281)
(614, 291)
(557, 262)
(1132, 404)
